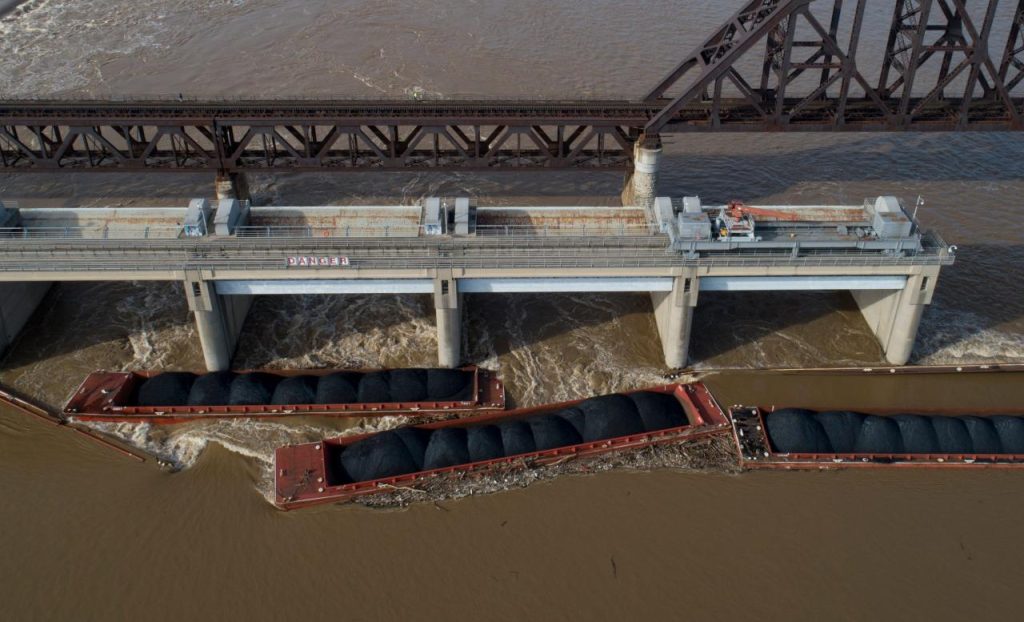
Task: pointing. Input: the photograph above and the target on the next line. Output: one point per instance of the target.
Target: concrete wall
(895, 315)
(673, 313)
(448, 307)
(219, 321)
(18, 301)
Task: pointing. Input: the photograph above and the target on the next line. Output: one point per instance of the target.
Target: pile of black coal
(449, 385)
(984, 437)
(295, 390)
(952, 435)
(878, 435)
(609, 416)
(918, 434)
(213, 389)
(447, 447)
(792, 430)
(1011, 433)
(484, 443)
(378, 456)
(253, 389)
(841, 432)
(841, 427)
(658, 411)
(375, 388)
(516, 438)
(552, 431)
(408, 385)
(167, 389)
(338, 388)
(596, 419)
(258, 388)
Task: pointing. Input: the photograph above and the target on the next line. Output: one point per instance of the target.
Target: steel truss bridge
(774, 65)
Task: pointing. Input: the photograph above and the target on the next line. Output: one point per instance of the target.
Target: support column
(219, 321)
(449, 321)
(673, 313)
(894, 316)
(232, 186)
(18, 301)
(641, 184)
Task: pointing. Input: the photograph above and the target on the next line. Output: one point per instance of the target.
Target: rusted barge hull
(107, 396)
(756, 451)
(303, 475)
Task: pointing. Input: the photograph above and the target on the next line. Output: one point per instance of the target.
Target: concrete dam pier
(225, 252)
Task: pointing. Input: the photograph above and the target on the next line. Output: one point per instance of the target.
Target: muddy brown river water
(87, 534)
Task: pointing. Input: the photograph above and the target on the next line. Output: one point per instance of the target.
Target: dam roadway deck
(395, 258)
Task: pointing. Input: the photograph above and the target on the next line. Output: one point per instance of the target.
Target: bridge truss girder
(772, 66)
(797, 44)
(296, 145)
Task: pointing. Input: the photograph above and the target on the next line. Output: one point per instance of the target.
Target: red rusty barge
(309, 474)
(987, 440)
(115, 397)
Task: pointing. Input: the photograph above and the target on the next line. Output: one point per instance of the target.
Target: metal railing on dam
(148, 232)
(525, 233)
(271, 254)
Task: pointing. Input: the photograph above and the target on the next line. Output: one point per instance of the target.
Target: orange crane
(735, 221)
(737, 209)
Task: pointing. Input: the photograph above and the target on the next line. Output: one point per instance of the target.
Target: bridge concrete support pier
(895, 315)
(641, 184)
(18, 301)
(449, 321)
(232, 186)
(673, 313)
(219, 321)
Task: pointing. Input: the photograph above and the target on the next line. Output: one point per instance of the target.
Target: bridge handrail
(438, 257)
(482, 263)
(120, 232)
(422, 231)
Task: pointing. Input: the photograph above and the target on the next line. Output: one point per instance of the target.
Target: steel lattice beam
(316, 136)
(797, 45)
(936, 75)
(714, 58)
(959, 39)
(1011, 70)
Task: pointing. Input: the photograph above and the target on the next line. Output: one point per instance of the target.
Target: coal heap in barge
(343, 468)
(174, 397)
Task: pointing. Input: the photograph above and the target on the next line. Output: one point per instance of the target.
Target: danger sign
(317, 262)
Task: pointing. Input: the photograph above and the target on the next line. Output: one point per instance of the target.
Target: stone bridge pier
(641, 184)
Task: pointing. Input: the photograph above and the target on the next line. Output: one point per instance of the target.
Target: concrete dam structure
(226, 252)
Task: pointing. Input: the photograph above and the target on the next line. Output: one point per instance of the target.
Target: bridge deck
(737, 113)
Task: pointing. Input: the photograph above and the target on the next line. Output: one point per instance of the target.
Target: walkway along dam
(774, 65)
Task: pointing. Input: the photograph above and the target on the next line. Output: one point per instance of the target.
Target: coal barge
(177, 397)
(341, 469)
(800, 438)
